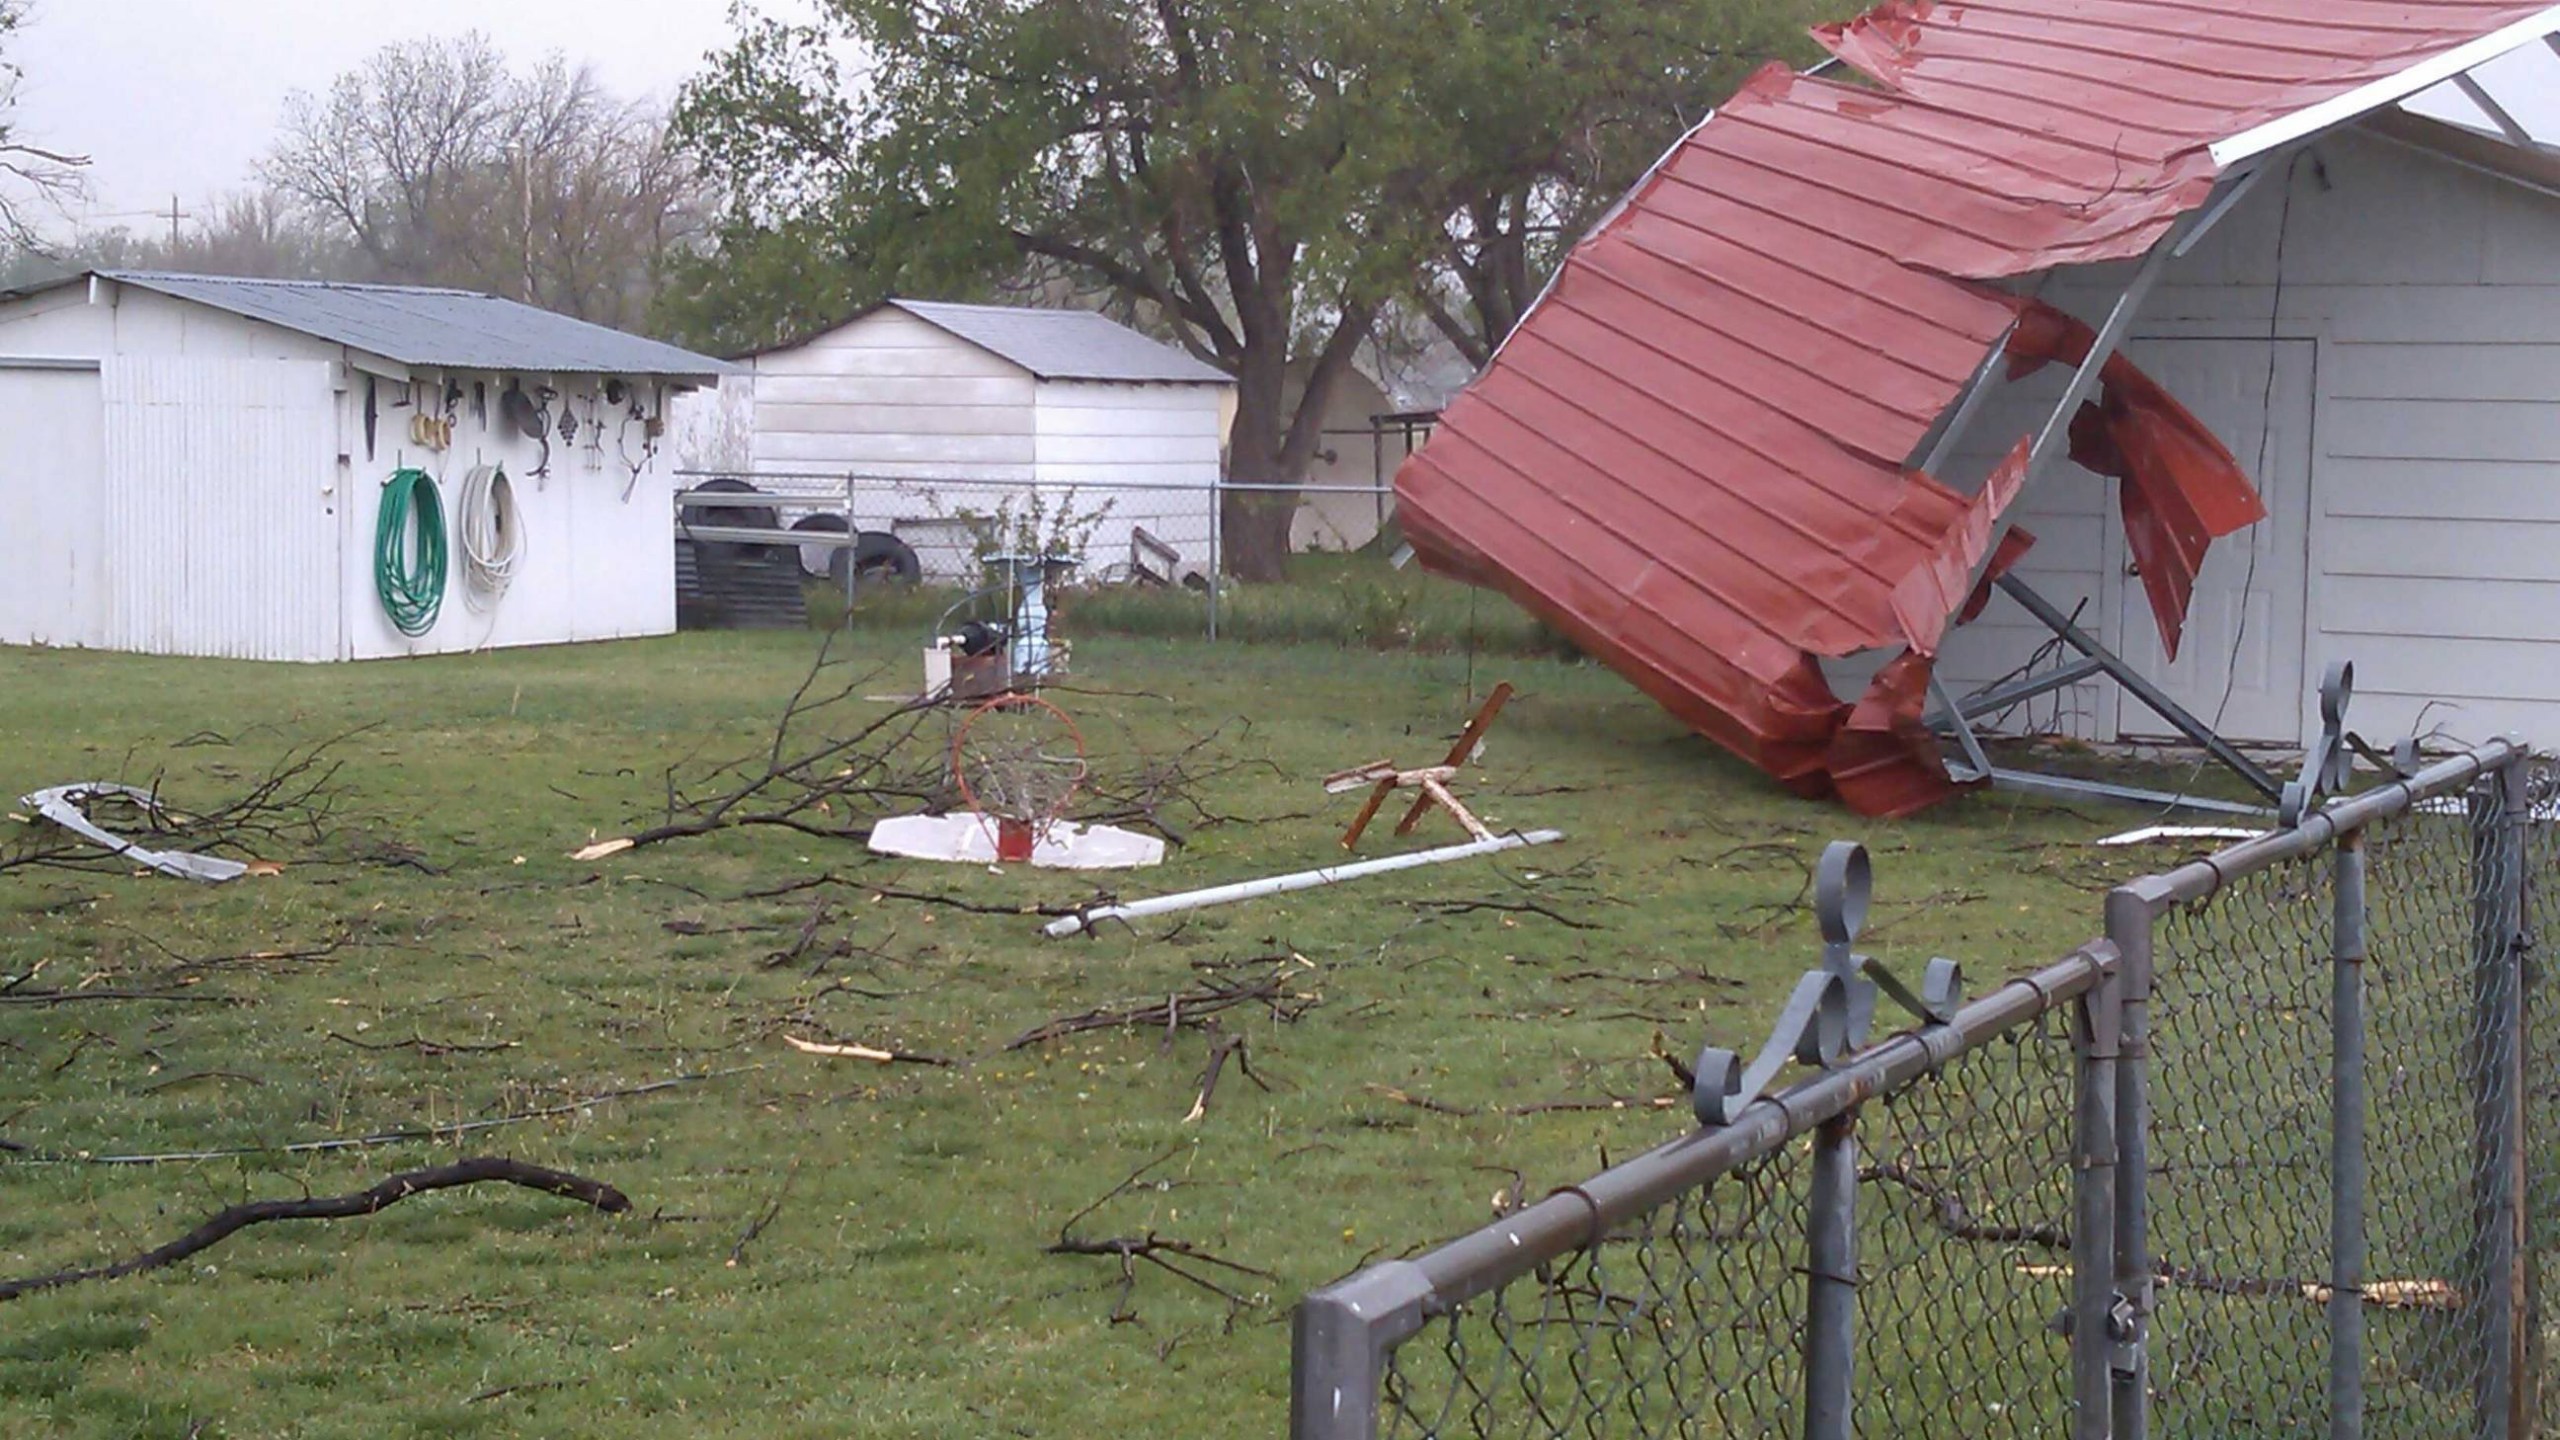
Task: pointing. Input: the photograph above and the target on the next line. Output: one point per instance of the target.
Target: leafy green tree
(1259, 179)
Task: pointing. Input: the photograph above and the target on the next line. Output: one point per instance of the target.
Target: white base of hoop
(969, 838)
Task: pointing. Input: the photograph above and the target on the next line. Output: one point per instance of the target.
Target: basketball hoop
(1018, 761)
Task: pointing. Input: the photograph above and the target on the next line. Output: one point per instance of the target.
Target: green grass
(901, 1288)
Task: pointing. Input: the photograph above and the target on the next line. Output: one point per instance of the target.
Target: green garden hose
(412, 589)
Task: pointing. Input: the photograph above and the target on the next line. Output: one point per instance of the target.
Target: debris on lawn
(967, 837)
(228, 1222)
(292, 802)
(1432, 782)
(2154, 834)
(1085, 920)
(1181, 1259)
(865, 1052)
(62, 806)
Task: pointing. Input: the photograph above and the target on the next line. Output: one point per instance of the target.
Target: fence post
(1217, 547)
(2346, 1139)
(853, 552)
(2133, 913)
(2097, 1039)
(1831, 1285)
(2497, 814)
(1339, 1341)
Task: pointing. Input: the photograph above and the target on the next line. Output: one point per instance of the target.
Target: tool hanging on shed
(409, 577)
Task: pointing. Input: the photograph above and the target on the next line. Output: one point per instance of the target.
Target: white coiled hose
(491, 530)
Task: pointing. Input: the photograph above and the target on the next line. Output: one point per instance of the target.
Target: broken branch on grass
(1539, 1107)
(738, 1252)
(1222, 1047)
(425, 1046)
(1192, 1007)
(290, 805)
(1949, 1212)
(1153, 1249)
(226, 1223)
(1507, 907)
(866, 1052)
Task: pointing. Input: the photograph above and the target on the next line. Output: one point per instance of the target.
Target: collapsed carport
(1712, 452)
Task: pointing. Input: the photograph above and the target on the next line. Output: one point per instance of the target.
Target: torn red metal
(1692, 456)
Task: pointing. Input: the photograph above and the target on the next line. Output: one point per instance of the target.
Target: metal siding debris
(1692, 455)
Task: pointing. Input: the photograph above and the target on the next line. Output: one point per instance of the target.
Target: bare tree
(29, 174)
(441, 166)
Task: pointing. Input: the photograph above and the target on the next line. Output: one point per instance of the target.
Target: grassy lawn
(900, 1286)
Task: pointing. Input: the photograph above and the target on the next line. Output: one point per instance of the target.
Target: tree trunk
(1254, 530)
(1254, 523)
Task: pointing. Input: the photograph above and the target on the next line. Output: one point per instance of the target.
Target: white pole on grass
(1303, 880)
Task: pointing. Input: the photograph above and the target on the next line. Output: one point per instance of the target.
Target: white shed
(2375, 334)
(952, 419)
(196, 466)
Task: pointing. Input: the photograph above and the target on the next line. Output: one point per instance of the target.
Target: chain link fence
(749, 544)
(2272, 1158)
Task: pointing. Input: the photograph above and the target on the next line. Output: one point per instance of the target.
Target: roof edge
(2363, 100)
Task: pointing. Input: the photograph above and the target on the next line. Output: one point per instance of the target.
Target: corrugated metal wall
(220, 508)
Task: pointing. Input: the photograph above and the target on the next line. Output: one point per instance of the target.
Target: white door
(2240, 663)
(52, 515)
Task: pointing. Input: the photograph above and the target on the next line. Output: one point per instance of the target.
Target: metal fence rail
(1118, 531)
(2269, 1159)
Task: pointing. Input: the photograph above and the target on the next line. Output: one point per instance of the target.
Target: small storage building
(199, 466)
(958, 426)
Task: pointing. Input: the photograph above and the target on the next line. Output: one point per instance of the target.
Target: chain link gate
(2272, 1158)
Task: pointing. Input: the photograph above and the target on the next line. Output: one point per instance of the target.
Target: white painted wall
(1348, 456)
(1108, 453)
(889, 394)
(53, 536)
(2428, 296)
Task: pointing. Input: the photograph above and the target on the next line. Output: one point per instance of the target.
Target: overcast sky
(182, 96)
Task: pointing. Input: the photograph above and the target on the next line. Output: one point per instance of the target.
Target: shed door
(52, 521)
(2240, 665)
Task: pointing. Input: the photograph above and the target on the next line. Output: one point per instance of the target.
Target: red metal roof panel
(1690, 456)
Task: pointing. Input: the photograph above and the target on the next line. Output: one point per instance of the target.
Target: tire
(741, 517)
(878, 555)
(822, 561)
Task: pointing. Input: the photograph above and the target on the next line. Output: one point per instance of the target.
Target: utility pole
(175, 215)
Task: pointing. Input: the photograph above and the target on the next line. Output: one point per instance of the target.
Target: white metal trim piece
(1303, 880)
(2478, 94)
(2389, 90)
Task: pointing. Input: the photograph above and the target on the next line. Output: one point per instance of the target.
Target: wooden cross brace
(1383, 778)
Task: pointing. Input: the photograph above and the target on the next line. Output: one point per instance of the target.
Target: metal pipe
(2133, 912)
(1302, 880)
(1831, 1281)
(2000, 697)
(2203, 877)
(1218, 489)
(2346, 1139)
(2097, 1039)
(2149, 694)
(1339, 1339)
(2497, 813)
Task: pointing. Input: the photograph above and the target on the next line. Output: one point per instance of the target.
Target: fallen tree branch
(1153, 1249)
(397, 1188)
(738, 1252)
(1949, 1212)
(1192, 1007)
(866, 1052)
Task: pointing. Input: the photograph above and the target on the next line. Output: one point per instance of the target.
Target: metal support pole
(2346, 1140)
(2497, 812)
(853, 549)
(2133, 913)
(1831, 1284)
(1217, 548)
(1339, 1341)
(2052, 618)
(2098, 1039)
